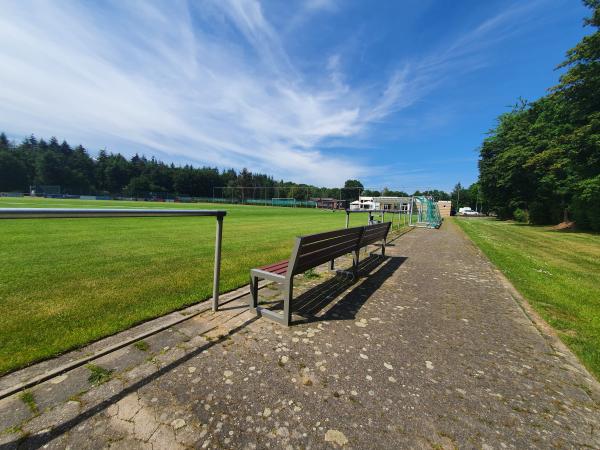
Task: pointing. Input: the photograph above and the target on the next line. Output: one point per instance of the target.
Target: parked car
(467, 211)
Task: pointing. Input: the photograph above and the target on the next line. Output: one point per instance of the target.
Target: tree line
(541, 163)
(36, 164)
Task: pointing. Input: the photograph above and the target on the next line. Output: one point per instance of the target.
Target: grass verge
(67, 282)
(558, 272)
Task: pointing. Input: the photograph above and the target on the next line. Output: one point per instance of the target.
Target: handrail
(68, 213)
(71, 213)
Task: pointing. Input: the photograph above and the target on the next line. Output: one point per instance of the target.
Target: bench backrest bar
(374, 233)
(316, 249)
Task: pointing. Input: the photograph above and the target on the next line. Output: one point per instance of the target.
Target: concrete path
(432, 350)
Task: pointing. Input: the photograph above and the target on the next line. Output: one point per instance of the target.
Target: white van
(466, 211)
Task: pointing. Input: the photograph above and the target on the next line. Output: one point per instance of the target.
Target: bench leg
(288, 293)
(253, 292)
(332, 264)
(355, 261)
(383, 248)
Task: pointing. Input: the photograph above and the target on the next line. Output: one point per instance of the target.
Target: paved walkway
(431, 351)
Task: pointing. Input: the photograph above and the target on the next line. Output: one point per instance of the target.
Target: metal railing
(67, 213)
(64, 213)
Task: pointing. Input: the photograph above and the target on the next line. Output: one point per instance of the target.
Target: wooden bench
(309, 252)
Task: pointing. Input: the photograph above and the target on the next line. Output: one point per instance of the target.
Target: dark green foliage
(461, 196)
(13, 173)
(3, 142)
(353, 184)
(35, 163)
(544, 157)
(521, 215)
(352, 189)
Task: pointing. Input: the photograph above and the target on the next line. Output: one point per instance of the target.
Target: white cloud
(209, 83)
(145, 75)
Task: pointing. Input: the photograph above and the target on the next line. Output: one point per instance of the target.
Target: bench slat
(280, 263)
(372, 238)
(331, 234)
(279, 268)
(317, 258)
(333, 250)
(374, 233)
(318, 245)
(329, 246)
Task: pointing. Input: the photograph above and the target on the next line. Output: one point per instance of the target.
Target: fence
(169, 199)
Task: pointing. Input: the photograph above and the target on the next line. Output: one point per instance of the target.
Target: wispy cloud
(207, 82)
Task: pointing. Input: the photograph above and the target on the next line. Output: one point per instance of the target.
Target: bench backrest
(374, 233)
(316, 249)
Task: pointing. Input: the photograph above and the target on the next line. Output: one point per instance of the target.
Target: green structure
(424, 212)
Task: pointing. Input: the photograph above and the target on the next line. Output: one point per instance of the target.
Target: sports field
(66, 282)
(557, 271)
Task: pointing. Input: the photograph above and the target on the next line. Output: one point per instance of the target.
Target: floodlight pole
(217, 272)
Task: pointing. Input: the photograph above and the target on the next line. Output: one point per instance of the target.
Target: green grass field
(557, 271)
(66, 282)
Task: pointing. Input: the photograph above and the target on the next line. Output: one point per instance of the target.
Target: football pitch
(66, 282)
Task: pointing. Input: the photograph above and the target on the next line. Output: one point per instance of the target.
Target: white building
(363, 203)
(380, 203)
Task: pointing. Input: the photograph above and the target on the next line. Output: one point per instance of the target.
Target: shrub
(585, 207)
(545, 212)
(521, 215)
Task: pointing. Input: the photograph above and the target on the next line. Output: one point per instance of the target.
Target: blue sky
(394, 93)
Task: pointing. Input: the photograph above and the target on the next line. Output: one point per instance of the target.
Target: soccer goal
(278, 201)
(425, 213)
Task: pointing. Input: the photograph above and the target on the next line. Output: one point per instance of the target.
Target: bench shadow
(307, 305)
(312, 305)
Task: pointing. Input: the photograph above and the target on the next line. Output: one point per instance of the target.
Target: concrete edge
(543, 327)
(44, 367)
(35, 370)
